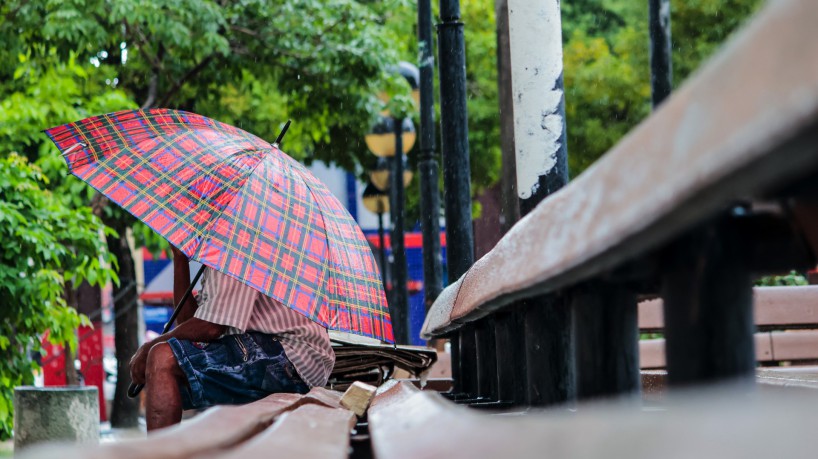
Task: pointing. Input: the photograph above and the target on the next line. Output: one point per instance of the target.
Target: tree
(43, 245)
(252, 63)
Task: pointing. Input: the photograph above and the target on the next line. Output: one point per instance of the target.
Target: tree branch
(142, 44)
(179, 83)
(152, 87)
(98, 203)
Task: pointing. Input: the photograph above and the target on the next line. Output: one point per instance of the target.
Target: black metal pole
(467, 353)
(382, 250)
(708, 307)
(486, 342)
(456, 168)
(607, 340)
(428, 162)
(428, 169)
(510, 345)
(549, 351)
(400, 292)
(661, 68)
(455, 140)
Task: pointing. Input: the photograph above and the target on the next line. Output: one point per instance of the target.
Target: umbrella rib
(324, 220)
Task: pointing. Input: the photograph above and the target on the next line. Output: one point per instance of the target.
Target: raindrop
(22, 274)
(299, 76)
(30, 262)
(124, 56)
(122, 45)
(108, 81)
(103, 54)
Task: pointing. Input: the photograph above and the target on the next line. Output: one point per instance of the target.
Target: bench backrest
(775, 308)
(786, 317)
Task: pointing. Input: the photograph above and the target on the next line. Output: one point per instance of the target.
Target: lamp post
(377, 202)
(389, 138)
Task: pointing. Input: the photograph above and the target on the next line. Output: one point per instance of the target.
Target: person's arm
(193, 329)
(181, 282)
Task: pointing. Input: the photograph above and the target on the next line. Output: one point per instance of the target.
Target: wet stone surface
(43, 414)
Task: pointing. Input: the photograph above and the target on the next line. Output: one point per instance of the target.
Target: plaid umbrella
(235, 203)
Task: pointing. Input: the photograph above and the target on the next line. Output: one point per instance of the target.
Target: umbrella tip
(281, 135)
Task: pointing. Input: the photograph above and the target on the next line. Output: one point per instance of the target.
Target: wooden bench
(717, 187)
(285, 425)
(786, 321)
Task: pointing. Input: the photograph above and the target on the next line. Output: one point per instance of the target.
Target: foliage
(46, 92)
(252, 63)
(607, 71)
(43, 245)
(792, 278)
(607, 67)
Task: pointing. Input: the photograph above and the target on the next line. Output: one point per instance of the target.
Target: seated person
(232, 345)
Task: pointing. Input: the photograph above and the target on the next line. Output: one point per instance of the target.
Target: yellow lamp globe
(375, 200)
(381, 175)
(381, 138)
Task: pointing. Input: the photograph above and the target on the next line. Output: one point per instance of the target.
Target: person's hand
(138, 363)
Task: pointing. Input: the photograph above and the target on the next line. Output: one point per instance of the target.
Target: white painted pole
(539, 107)
(535, 37)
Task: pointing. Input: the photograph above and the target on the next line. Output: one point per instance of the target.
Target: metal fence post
(427, 165)
(661, 68)
(400, 293)
(455, 150)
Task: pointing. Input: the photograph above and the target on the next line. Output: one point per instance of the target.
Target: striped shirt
(226, 301)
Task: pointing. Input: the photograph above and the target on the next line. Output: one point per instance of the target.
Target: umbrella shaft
(184, 298)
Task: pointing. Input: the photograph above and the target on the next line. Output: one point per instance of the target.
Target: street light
(381, 175)
(377, 202)
(390, 138)
(412, 76)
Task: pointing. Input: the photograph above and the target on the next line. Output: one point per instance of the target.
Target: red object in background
(410, 240)
(53, 364)
(90, 356)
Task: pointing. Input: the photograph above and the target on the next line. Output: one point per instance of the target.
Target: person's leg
(163, 400)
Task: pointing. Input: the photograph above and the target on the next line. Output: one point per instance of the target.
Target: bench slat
(217, 428)
(310, 431)
(739, 127)
(723, 422)
(803, 378)
(774, 346)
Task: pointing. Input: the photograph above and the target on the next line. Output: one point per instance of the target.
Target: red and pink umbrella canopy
(238, 204)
